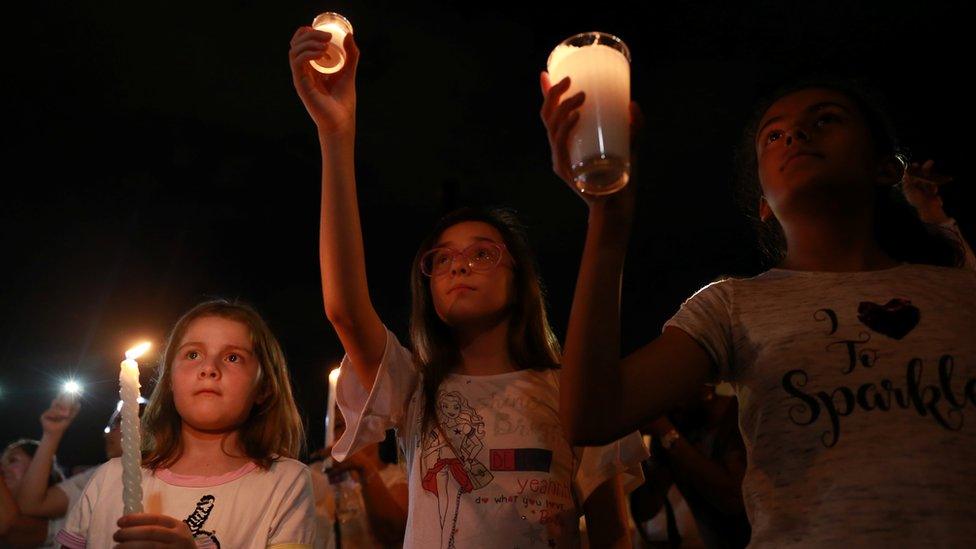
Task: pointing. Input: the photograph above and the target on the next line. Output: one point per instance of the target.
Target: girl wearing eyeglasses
(475, 403)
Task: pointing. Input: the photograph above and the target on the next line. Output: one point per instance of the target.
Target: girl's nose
(799, 133)
(459, 265)
(208, 370)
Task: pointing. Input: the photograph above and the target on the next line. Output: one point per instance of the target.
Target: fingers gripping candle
(334, 56)
(131, 437)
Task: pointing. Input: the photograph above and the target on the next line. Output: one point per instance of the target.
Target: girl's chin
(211, 424)
(465, 314)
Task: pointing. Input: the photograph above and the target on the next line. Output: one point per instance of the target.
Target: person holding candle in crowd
(17, 528)
(697, 464)
(475, 403)
(383, 490)
(220, 433)
(36, 496)
(853, 358)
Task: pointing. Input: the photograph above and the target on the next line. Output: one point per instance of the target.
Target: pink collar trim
(195, 481)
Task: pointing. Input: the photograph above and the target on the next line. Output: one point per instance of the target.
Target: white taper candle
(131, 436)
(330, 413)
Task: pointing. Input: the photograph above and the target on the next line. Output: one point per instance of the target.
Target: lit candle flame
(137, 351)
(71, 387)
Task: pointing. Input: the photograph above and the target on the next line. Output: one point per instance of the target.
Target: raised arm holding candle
(479, 329)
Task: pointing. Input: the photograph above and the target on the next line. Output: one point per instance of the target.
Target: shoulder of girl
(941, 272)
(111, 469)
(288, 466)
(722, 286)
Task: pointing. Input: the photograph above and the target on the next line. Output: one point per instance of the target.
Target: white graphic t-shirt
(496, 469)
(248, 508)
(857, 401)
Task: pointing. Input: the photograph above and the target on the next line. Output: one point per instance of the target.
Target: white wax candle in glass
(599, 146)
(334, 57)
(131, 436)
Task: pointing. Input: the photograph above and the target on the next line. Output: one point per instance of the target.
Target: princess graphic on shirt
(449, 465)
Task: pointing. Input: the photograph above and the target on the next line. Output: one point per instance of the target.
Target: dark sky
(154, 156)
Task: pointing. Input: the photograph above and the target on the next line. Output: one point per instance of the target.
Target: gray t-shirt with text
(857, 399)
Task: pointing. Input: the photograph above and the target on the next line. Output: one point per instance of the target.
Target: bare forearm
(8, 509)
(341, 252)
(591, 381)
(386, 514)
(33, 495)
(606, 518)
(342, 259)
(716, 483)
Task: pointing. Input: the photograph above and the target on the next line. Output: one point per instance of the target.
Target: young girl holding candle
(220, 433)
(475, 403)
(853, 359)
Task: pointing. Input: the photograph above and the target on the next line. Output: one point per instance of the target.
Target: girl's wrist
(611, 231)
(337, 138)
(50, 438)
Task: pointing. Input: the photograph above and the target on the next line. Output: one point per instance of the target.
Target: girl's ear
(263, 395)
(765, 212)
(264, 390)
(891, 170)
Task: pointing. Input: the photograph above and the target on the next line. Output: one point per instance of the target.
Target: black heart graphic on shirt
(893, 319)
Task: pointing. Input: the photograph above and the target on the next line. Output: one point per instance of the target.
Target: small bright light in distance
(107, 430)
(71, 387)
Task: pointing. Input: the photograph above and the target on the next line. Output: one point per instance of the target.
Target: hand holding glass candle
(334, 57)
(597, 64)
(131, 436)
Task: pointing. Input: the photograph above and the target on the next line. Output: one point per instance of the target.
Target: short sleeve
(75, 485)
(707, 318)
(598, 464)
(369, 414)
(77, 523)
(293, 526)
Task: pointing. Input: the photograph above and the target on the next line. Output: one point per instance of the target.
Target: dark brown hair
(897, 227)
(531, 341)
(273, 428)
